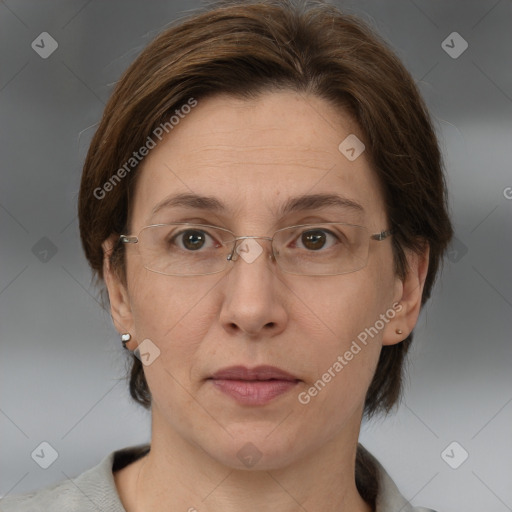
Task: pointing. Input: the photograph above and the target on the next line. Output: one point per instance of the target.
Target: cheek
(173, 313)
(346, 323)
(342, 307)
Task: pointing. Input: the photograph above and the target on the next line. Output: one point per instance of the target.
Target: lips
(253, 386)
(255, 374)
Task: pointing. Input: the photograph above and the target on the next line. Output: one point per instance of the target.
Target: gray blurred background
(62, 364)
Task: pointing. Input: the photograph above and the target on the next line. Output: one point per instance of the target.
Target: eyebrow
(303, 202)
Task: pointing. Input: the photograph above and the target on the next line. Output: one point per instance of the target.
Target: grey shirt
(95, 490)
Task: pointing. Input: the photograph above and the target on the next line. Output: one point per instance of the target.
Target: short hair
(244, 49)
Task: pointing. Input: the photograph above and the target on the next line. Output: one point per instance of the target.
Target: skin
(253, 155)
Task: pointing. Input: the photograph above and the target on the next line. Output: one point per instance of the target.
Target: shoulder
(92, 490)
(388, 498)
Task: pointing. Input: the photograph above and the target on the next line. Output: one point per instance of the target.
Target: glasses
(323, 249)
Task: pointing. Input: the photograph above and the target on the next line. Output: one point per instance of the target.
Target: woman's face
(254, 157)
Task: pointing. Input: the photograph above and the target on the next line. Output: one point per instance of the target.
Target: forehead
(255, 159)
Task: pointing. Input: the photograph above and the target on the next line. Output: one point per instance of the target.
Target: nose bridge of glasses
(253, 237)
(237, 239)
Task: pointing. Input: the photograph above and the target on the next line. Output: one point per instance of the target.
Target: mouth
(256, 386)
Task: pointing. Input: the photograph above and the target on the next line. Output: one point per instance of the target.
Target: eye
(194, 240)
(316, 239)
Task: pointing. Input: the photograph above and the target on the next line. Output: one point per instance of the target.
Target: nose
(254, 295)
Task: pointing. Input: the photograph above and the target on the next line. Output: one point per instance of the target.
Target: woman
(264, 200)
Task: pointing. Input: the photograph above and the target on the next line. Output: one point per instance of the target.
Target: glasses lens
(321, 249)
(185, 249)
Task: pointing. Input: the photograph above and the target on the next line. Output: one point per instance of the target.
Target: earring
(399, 331)
(125, 338)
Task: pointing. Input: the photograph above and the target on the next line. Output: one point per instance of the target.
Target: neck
(179, 476)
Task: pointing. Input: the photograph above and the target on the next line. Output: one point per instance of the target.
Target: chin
(257, 450)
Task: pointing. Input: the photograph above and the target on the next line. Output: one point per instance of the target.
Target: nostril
(236, 329)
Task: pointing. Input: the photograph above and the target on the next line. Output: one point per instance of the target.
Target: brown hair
(243, 49)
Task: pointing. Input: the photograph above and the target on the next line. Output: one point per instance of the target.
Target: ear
(120, 307)
(407, 298)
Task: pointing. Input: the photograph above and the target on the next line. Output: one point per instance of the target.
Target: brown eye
(193, 239)
(314, 239)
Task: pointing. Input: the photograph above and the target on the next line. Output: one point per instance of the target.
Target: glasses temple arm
(382, 235)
